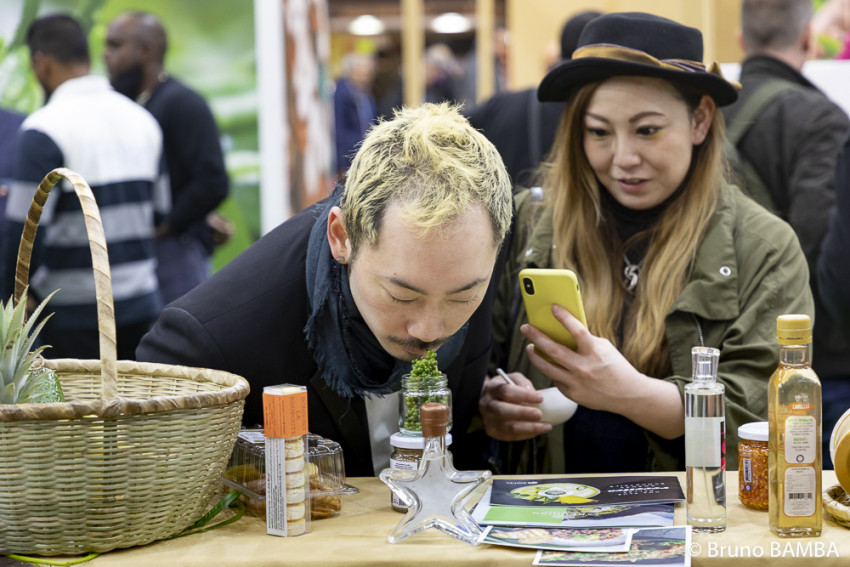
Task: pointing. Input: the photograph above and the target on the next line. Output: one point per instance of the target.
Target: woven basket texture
(135, 453)
(837, 503)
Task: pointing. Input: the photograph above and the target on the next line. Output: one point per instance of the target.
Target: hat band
(609, 51)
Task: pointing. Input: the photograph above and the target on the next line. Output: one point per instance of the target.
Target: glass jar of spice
(405, 456)
(752, 465)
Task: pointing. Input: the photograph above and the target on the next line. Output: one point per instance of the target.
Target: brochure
(604, 516)
(649, 547)
(593, 491)
(611, 540)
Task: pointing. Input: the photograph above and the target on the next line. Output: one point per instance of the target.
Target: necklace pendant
(631, 272)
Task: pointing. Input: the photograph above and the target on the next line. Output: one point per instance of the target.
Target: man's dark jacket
(249, 319)
(793, 145)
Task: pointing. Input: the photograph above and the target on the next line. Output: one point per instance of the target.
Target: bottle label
(799, 491)
(747, 467)
(404, 465)
(704, 441)
(800, 439)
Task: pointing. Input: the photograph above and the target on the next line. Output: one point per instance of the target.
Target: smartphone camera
(528, 285)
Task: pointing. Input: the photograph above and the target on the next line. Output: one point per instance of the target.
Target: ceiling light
(451, 22)
(366, 24)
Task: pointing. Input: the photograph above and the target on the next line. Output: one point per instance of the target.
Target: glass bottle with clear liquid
(795, 452)
(705, 444)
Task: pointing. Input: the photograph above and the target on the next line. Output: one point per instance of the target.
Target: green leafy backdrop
(211, 48)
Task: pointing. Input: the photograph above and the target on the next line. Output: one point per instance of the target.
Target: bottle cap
(434, 417)
(755, 431)
(403, 441)
(704, 364)
(793, 329)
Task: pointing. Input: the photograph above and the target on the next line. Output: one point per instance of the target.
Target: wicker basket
(136, 452)
(837, 503)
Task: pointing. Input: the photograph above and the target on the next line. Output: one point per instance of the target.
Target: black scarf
(349, 356)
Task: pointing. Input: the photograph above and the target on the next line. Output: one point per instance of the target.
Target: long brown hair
(586, 243)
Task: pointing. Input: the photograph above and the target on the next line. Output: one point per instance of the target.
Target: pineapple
(19, 381)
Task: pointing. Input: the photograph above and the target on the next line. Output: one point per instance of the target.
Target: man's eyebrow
(404, 284)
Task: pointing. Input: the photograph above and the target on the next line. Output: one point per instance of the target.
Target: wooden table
(358, 536)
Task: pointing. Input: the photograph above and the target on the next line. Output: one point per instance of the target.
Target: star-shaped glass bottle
(435, 494)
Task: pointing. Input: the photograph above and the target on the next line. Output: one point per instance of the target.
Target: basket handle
(100, 264)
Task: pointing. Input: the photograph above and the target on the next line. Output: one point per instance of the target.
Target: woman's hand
(502, 408)
(597, 376)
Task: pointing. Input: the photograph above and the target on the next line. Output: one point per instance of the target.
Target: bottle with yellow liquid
(794, 414)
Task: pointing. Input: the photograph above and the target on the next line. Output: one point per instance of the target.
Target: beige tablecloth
(359, 537)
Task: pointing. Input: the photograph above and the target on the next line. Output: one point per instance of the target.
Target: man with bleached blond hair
(340, 298)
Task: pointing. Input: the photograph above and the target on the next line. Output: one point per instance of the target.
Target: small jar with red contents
(753, 479)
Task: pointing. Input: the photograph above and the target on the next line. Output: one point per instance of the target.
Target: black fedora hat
(637, 44)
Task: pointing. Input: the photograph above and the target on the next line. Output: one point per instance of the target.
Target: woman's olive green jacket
(748, 270)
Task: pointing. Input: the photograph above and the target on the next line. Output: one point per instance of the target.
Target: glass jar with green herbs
(425, 383)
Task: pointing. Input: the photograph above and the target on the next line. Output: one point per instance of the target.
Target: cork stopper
(793, 329)
(434, 417)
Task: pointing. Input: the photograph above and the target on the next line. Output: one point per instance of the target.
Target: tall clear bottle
(705, 443)
(794, 414)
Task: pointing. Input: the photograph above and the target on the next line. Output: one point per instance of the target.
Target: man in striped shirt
(116, 146)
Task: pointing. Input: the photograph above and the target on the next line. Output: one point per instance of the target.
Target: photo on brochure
(606, 540)
(649, 547)
(587, 516)
(584, 491)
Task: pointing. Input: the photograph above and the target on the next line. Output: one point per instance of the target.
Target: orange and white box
(287, 498)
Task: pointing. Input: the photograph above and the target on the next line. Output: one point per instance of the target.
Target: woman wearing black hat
(668, 256)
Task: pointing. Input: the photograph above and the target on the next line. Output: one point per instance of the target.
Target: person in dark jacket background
(792, 145)
(833, 269)
(136, 44)
(354, 106)
(9, 124)
(521, 127)
(342, 296)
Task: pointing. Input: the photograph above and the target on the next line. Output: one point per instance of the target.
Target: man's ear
(338, 236)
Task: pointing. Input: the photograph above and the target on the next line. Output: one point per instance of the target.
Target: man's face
(123, 57)
(414, 293)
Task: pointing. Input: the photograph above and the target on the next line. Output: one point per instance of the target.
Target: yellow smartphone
(542, 287)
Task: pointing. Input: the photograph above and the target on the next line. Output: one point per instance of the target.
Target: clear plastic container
(246, 472)
(416, 391)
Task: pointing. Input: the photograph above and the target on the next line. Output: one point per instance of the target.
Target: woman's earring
(340, 259)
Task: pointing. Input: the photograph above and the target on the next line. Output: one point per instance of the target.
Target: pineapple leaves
(17, 337)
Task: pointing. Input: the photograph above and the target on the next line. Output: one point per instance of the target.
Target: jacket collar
(711, 292)
(81, 85)
(767, 67)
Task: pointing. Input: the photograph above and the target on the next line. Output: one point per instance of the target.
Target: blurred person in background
(187, 229)
(116, 146)
(788, 133)
(833, 269)
(442, 73)
(521, 127)
(10, 122)
(354, 106)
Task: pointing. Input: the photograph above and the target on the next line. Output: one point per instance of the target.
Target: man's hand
(502, 408)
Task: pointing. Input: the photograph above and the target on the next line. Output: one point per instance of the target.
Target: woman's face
(639, 136)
